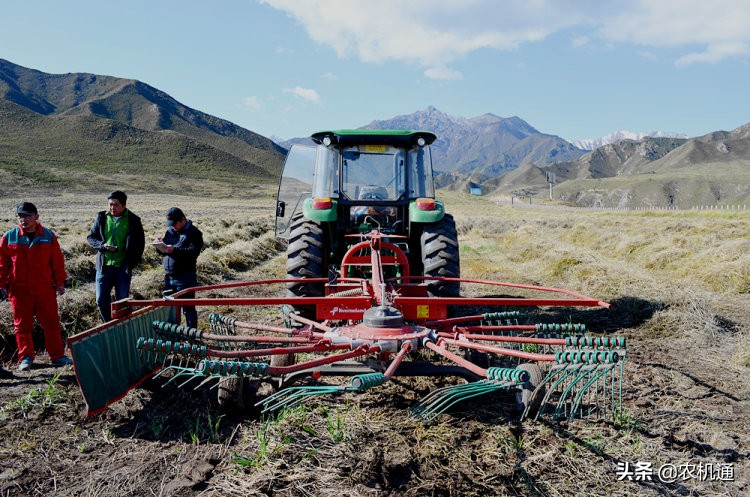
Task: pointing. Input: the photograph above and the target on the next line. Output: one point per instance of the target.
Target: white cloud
(442, 73)
(719, 28)
(251, 102)
(580, 41)
(430, 33)
(715, 52)
(329, 76)
(435, 33)
(307, 94)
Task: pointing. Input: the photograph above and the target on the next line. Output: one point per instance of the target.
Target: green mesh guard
(107, 363)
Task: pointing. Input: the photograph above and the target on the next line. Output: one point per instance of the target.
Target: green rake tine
(449, 396)
(443, 396)
(164, 370)
(187, 381)
(434, 410)
(564, 371)
(437, 396)
(429, 398)
(293, 396)
(293, 400)
(575, 405)
(584, 372)
(183, 373)
(208, 378)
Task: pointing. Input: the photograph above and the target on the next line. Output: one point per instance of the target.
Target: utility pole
(551, 181)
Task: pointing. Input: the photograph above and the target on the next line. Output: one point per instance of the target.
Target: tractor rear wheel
(440, 258)
(305, 258)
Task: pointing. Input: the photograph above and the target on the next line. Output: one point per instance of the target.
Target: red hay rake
(369, 328)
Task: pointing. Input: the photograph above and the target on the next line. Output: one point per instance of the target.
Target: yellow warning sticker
(423, 311)
(375, 148)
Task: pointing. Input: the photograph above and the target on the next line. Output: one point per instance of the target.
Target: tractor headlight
(327, 141)
(421, 142)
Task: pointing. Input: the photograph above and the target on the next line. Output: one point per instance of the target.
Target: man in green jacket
(117, 236)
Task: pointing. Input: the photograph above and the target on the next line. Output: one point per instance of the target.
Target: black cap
(26, 208)
(119, 196)
(174, 215)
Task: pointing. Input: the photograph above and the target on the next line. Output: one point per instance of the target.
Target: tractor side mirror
(280, 208)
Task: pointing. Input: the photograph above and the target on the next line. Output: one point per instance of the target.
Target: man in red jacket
(32, 269)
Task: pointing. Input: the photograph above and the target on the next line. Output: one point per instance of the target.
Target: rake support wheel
(527, 399)
(237, 393)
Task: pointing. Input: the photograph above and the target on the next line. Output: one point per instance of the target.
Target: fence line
(654, 208)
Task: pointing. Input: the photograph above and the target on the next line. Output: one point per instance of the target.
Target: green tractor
(351, 182)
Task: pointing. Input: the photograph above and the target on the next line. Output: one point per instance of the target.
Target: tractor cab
(359, 179)
(351, 182)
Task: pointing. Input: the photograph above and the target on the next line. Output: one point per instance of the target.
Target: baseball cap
(26, 208)
(174, 215)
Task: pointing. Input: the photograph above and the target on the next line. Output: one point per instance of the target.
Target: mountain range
(622, 134)
(85, 131)
(106, 130)
(508, 157)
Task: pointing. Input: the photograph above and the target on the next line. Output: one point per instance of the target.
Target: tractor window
(326, 180)
(373, 172)
(295, 185)
(420, 173)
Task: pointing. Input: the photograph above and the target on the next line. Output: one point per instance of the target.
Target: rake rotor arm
(500, 338)
(529, 356)
(405, 349)
(310, 322)
(359, 351)
(319, 347)
(581, 299)
(439, 347)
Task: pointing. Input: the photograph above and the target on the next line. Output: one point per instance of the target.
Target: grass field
(679, 283)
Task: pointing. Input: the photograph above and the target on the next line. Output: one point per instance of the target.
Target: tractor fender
(420, 216)
(320, 215)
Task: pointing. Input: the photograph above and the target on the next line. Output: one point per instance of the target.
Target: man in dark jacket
(180, 248)
(117, 235)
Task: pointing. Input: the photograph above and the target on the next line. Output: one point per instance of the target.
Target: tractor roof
(395, 137)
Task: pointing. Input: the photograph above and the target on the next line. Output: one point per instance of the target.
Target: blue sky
(286, 68)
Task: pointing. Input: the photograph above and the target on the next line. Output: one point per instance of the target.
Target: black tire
(526, 397)
(280, 361)
(481, 359)
(306, 258)
(440, 258)
(237, 394)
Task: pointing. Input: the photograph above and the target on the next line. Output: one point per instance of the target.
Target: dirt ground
(687, 410)
(684, 430)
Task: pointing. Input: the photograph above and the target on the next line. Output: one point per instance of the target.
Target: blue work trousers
(109, 277)
(175, 283)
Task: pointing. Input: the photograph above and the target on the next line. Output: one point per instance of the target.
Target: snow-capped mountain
(622, 134)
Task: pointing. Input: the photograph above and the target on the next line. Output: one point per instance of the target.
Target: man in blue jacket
(180, 248)
(117, 236)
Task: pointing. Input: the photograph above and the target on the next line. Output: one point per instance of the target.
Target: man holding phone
(117, 236)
